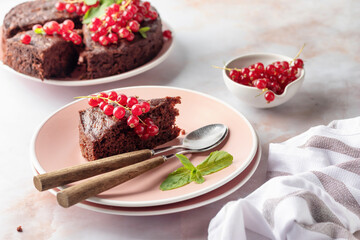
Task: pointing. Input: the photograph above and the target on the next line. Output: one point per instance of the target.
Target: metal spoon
(106, 181)
(203, 137)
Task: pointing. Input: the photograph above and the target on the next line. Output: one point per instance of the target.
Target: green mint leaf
(143, 31)
(215, 162)
(90, 2)
(39, 31)
(186, 162)
(176, 179)
(119, 1)
(196, 176)
(97, 12)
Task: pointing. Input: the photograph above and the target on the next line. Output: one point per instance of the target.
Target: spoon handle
(67, 175)
(101, 183)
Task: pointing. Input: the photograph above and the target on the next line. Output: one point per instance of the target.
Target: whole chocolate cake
(109, 53)
(102, 135)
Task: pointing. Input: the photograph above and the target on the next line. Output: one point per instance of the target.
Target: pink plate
(55, 145)
(196, 202)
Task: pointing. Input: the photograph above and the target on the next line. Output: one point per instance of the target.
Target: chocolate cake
(44, 57)
(90, 61)
(102, 136)
(104, 61)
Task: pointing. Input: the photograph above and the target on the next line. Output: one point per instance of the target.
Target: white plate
(200, 201)
(162, 55)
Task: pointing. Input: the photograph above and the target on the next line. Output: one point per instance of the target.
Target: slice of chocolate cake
(102, 136)
(44, 57)
(102, 61)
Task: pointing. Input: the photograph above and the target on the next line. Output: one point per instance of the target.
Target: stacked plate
(55, 145)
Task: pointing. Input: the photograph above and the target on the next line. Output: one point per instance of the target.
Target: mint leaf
(119, 1)
(215, 162)
(90, 2)
(143, 31)
(186, 162)
(196, 176)
(97, 12)
(176, 179)
(39, 31)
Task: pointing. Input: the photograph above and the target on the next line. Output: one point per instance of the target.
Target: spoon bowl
(201, 138)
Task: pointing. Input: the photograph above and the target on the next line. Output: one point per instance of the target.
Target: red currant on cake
(25, 39)
(167, 34)
(132, 121)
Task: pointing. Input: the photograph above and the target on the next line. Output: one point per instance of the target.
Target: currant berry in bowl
(264, 80)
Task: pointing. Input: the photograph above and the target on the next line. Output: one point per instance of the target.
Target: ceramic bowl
(250, 95)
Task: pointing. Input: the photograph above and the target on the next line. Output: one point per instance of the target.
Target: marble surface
(206, 33)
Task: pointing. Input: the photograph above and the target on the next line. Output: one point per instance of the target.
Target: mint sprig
(143, 31)
(39, 31)
(189, 173)
(90, 2)
(98, 11)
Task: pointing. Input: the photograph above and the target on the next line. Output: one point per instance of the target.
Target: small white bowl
(250, 95)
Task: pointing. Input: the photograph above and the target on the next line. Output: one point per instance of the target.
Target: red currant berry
(124, 33)
(68, 25)
(79, 10)
(133, 8)
(253, 76)
(130, 37)
(66, 36)
(115, 28)
(152, 130)
(132, 121)
(138, 17)
(25, 39)
(259, 67)
(115, 7)
(51, 27)
(104, 40)
(109, 11)
(275, 87)
(269, 96)
(234, 75)
(299, 63)
(60, 6)
(260, 83)
(102, 105)
(152, 15)
(108, 109)
(93, 101)
(113, 38)
(131, 101)
(134, 26)
(136, 110)
(95, 37)
(102, 97)
(112, 96)
(147, 5)
(285, 65)
(143, 10)
(119, 112)
(109, 21)
(127, 15)
(102, 31)
(70, 8)
(245, 72)
(140, 129)
(145, 107)
(167, 34)
(85, 8)
(270, 69)
(75, 38)
(96, 22)
(122, 99)
(149, 121)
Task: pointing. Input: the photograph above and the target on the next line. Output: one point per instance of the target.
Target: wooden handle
(64, 176)
(101, 183)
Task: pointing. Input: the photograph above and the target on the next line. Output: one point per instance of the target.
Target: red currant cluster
(120, 21)
(79, 7)
(274, 77)
(65, 30)
(117, 105)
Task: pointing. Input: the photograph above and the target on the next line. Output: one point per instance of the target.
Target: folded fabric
(313, 193)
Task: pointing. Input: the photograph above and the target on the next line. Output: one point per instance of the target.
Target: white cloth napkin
(313, 193)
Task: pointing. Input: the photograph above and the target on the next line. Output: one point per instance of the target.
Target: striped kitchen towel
(313, 193)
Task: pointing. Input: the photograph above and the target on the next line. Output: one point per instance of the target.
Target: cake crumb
(19, 229)
(183, 132)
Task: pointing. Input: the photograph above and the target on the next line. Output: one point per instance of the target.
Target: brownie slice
(102, 61)
(102, 136)
(44, 57)
(24, 16)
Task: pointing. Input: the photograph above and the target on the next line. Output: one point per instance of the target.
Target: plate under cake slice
(102, 136)
(44, 57)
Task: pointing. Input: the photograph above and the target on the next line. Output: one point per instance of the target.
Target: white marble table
(206, 33)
